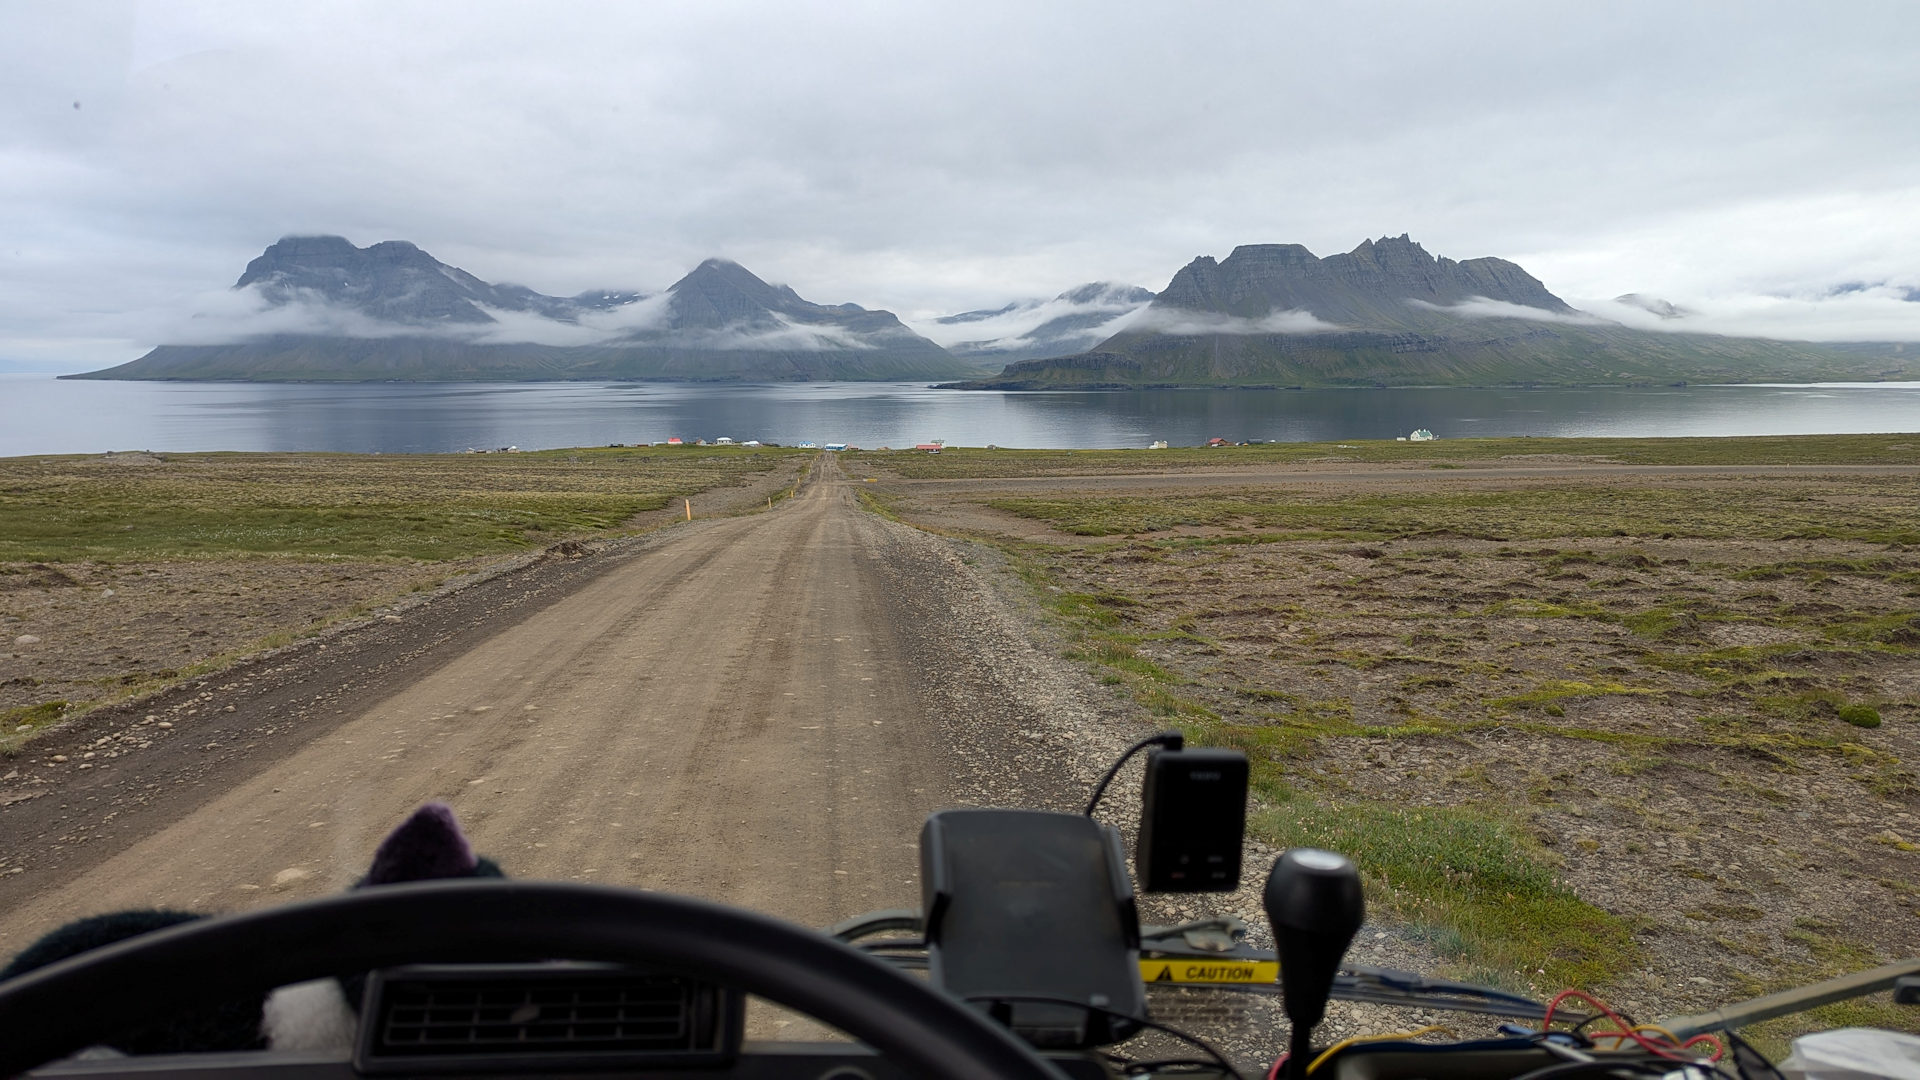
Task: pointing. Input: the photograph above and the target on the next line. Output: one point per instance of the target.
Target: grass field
(1896, 449)
(1651, 733)
(122, 573)
(415, 507)
(1881, 514)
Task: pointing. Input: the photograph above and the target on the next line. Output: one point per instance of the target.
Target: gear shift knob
(1315, 906)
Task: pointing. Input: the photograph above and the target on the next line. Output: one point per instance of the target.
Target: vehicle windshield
(685, 446)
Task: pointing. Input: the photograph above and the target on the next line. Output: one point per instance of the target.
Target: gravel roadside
(1032, 729)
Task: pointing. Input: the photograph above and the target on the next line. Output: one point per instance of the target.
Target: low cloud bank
(1179, 322)
(1874, 313)
(790, 336)
(1856, 313)
(1016, 326)
(232, 316)
(1480, 307)
(1084, 336)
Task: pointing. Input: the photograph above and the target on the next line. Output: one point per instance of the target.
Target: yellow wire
(1623, 1036)
(1344, 1043)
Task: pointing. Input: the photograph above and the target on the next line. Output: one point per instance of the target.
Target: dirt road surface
(738, 709)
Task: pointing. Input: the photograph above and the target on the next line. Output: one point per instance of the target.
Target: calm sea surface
(41, 415)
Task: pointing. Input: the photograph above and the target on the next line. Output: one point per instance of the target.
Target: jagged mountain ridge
(723, 298)
(1385, 313)
(423, 320)
(1388, 313)
(395, 281)
(1368, 286)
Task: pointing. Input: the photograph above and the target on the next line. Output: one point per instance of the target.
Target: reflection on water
(39, 415)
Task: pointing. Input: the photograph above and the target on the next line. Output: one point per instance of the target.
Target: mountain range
(394, 281)
(336, 312)
(1387, 313)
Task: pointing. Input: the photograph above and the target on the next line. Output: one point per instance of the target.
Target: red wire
(1719, 1048)
(1626, 1032)
(1626, 1029)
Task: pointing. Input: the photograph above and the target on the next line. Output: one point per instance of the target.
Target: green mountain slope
(1390, 314)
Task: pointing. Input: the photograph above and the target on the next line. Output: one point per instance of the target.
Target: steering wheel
(56, 1010)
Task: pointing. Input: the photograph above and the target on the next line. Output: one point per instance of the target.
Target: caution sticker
(1209, 971)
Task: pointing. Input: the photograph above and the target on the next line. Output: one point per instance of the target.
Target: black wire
(1194, 1041)
(1575, 1029)
(1172, 740)
(1631, 1022)
(1748, 1062)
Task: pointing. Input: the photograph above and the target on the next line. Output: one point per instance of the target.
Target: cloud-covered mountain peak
(1111, 293)
(394, 281)
(720, 293)
(1370, 285)
(1389, 312)
(318, 307)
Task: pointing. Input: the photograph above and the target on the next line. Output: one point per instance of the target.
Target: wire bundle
(1280, 1063)
(1652, 1038)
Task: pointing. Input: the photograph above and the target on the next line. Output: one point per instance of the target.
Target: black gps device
(1193, 816)
(1029, 916)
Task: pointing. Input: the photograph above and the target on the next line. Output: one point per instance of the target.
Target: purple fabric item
(427, 846)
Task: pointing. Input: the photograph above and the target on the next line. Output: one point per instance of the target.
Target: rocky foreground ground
(662, 709)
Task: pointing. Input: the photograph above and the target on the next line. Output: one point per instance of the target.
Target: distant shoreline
(1010, 387)
(44, 414)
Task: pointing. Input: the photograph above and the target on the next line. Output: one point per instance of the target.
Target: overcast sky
(1740, 158)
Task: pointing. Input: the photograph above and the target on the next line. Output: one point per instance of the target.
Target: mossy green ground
(1895, 449)
(1534, 513)
(136, 570)
(416, 507)
(1594, 729)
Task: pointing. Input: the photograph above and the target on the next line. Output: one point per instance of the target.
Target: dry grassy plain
(1651, 727)
(122, 573)
(1639, 714)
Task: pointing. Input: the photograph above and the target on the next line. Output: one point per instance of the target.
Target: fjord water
(40, 415)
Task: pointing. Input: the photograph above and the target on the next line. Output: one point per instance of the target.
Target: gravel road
(757, 709)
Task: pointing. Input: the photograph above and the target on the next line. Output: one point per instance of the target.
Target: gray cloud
(224, 316)
(233, 315)
(1009, 329)
(1481, 307)
(789, 336)
(1176, 321)
(943, 157)
(1875, 314)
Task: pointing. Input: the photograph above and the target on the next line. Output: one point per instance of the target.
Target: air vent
(551, 1016)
